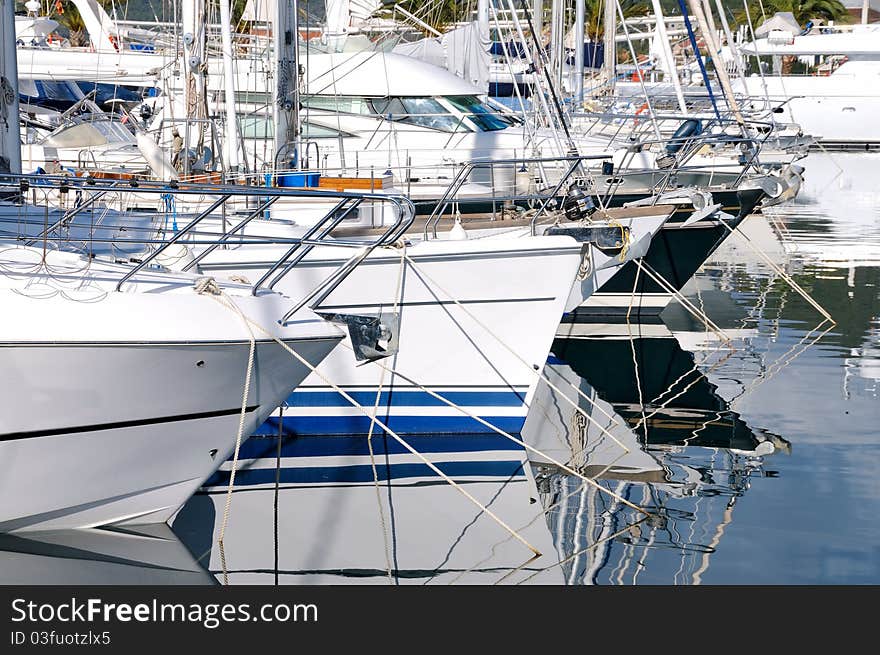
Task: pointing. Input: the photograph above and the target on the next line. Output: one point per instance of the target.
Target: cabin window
(343, 104)
(262, 127)
(256, 127)
(424, 112)
(313, 131)
(87, 133)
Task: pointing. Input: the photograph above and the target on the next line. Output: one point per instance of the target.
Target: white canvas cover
(782, 20)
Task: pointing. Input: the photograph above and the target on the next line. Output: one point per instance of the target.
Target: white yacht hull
(477, 319)
(119, 404)
(89, 463)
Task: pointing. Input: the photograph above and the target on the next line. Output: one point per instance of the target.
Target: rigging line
(641, 77)
(632, 345)
(277, 486)
(693, 369)
(508, 38)
(780, 363)
(537, 65)
(511, 479)
(550, 87)
(587, 549)
(788, 279)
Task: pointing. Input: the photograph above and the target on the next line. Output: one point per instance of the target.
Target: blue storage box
(297, 179)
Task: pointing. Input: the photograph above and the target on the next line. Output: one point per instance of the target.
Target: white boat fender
(458, 233)
(524, 181)
(175, 257)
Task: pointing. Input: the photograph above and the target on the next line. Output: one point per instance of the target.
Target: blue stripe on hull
(341, 425)
(407, 398)
(364, 473)
(356, 446)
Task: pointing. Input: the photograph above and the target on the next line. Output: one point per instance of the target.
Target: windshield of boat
(425, 112)
(485, 118)
(88, 131)
(443, 113)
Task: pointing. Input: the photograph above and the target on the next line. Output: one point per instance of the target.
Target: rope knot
(400, 244)
(207, 286)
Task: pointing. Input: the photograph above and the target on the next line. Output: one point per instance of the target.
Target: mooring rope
(391, 433)
(687, 304)
(785, 276)
(509, 436)
(207, 286)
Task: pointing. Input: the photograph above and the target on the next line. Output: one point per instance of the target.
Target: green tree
(67, 16)
(802, 10)
(594, 14)
(439, 14)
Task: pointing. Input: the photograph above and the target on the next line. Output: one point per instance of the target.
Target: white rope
(694, 369)
(687, 304)
(770, 372)
(632, 295)
(596, 544)
(632, 345)
(790, 280)
(208, 286)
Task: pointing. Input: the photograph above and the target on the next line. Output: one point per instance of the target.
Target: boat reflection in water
(338, 515)
(673, 448)
(140, 555)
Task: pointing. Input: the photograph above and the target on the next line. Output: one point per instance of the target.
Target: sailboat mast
(579, 30)
(667, 54)
(485, 39)
(194, 69)
(609, 62)
(556, 38)
(538, 19)
(483, 17)
(715, 52)
(231, 137)
(285, 35)
(10, 137)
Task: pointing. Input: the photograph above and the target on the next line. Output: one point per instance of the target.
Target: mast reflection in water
(677, 451)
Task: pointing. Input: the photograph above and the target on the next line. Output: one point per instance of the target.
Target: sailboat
(126, 391)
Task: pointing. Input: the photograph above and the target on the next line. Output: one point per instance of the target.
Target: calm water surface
(690, 461)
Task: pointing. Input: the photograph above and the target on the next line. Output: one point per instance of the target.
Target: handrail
(457, 182)
(319, 229)
(314, 236)
(180, 234)
(326, 288)
(384, 238)
(67, 216)
(207, 251)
